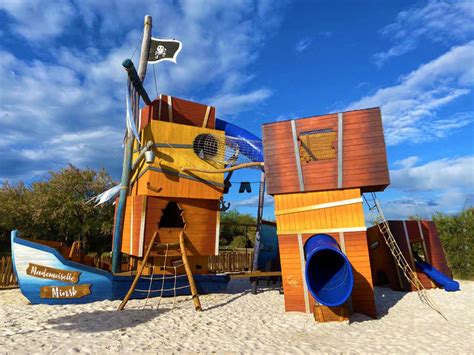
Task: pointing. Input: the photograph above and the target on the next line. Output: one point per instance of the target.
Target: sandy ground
(237, 322)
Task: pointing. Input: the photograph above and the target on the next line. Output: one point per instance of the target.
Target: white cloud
(303, 44)
(38, 20)
(231, 104)
(252, 202)
(69, 107)
(445, 185)
(410, 108)
(435, 175)
(407, 162)
(439, 21)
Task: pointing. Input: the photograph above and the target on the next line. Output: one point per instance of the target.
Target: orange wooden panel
(132, 233)
(346, 216)
(201, 217)
(161, 184)
(291, 273)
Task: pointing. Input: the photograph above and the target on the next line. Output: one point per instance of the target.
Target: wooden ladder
(181, 246)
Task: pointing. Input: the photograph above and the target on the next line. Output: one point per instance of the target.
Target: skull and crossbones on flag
(163, 49)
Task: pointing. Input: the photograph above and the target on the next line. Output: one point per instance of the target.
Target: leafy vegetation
(237, 230)
(457, 236)
(57, 209)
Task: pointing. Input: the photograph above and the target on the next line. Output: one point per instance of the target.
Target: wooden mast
(127, 157)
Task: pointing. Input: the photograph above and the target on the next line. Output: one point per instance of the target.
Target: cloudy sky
(62, 86)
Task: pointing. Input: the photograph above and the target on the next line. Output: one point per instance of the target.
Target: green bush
(457, 236)
(232, 231)
(56, 209)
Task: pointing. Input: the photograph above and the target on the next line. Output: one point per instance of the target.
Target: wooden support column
(192, 285)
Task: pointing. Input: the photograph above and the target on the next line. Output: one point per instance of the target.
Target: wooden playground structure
(178, 160)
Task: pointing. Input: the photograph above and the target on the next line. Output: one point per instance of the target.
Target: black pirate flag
(163, 49)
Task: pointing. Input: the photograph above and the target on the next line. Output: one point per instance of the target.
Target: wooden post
(139, 273)
(192, 285)
(256, 248)
(142, 66)
(127, 159)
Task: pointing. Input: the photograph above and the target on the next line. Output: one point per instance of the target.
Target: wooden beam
(244, 275)
(139, 273)
(192, 285)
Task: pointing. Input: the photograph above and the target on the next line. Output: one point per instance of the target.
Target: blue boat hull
(46, 277)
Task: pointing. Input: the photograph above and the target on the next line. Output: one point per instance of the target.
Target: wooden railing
(7, 276)
(231, 261)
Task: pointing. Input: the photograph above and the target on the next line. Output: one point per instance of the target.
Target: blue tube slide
(437, 276)
(328, 271)
(250, 142)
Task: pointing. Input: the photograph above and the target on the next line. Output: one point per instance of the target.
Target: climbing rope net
(398, 256)
(164, 288)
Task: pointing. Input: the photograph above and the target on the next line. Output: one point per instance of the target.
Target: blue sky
(62, 86)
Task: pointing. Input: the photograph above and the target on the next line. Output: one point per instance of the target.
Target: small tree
(57, 208)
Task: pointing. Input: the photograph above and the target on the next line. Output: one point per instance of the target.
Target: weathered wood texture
(201, 218)
(364, 161)
(181, 111)
(231, 261)
(174, 150)
(324, 314)
(345, 223)
(356, 251)
(7, 275)
(312, 217)
(169, 184)
(384, 269)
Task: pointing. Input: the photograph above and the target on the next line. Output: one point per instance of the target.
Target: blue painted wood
(104, 285)
(268, 248)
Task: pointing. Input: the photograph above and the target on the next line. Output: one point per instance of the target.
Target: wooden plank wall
(345, 216)
(382, 263)
(363, 300)
(364, 154)
(364, 161)
(324, 220)
(7, 275)
(183, 112)
(132, 233)
(176, 151)
(201, 217)
(169, 184)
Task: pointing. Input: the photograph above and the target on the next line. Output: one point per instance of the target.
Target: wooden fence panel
(230, 261)
(7, 276)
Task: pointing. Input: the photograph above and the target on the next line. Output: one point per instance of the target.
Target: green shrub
(457, 236)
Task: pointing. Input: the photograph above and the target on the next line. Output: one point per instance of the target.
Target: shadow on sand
(101, 321)
(385, 299)
(239, 288)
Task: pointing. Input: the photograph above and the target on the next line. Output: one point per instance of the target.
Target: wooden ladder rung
(167, 245)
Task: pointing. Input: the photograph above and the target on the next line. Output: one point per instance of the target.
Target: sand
(237, 322)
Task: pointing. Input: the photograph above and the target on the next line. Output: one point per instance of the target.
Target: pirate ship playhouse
(317, 169)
